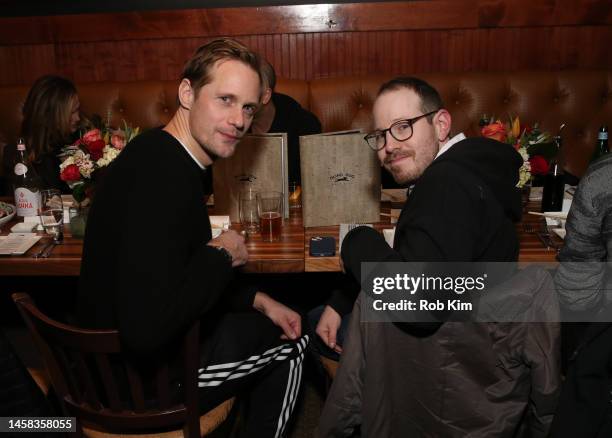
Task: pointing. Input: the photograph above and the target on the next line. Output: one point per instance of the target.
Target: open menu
(17, 243)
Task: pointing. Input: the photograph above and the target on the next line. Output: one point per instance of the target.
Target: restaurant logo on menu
(244, 177)
(342, 176)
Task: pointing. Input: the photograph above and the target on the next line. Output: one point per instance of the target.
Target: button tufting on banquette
(579, 98)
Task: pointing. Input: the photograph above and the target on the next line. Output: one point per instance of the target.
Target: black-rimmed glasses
(401, 131)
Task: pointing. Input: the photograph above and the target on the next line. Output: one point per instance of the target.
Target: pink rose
(539, 165)
(496, 131)
(70, 173)
(91, 136)
(118, 140)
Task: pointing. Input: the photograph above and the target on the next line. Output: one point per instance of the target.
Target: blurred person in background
(51, 117)
(584, 287)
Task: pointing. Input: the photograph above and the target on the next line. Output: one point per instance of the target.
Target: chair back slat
(84, 375)
(136, 388)
(72, 387)
(162, 382)
(107, 376)
(98, 384)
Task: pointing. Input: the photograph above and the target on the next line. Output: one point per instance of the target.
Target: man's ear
(267, 95)
(186, 94)
(442, 122)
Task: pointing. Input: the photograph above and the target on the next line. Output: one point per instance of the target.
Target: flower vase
(525, 192)
(78, 220)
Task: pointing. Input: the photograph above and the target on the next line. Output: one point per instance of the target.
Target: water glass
(249, 218)
(51, 213)
(269, 208)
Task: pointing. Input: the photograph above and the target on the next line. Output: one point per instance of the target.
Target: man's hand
(234, 244)
(289, 321)
(328, 326)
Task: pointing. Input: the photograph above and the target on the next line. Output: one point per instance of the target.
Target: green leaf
(79, 192)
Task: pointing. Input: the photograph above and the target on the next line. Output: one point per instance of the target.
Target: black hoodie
(461, 209)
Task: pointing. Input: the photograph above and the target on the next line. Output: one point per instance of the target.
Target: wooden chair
(109, 395)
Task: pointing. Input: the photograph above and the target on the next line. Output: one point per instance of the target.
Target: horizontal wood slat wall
(314, 41)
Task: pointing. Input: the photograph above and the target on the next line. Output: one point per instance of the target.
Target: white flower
(524, 174)
(109, 153)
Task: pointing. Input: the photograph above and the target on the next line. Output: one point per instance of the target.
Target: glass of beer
(270, 207)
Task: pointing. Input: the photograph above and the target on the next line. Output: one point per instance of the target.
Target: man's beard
(420, 162)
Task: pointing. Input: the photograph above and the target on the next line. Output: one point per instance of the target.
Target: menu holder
(340, 179)
(260, 161)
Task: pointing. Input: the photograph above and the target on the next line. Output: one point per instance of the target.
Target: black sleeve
(308, 123)
(241, 295)
(344, 296)
(164, 283)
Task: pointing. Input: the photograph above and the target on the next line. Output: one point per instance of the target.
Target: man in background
(282, 113)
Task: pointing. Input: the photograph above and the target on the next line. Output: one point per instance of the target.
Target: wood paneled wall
(316, 41)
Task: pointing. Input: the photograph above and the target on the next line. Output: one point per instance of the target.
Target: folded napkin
(222, 222)
(389, 236)
(218, 224)
(559, 232)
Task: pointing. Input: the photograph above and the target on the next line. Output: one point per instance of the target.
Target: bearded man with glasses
(435, 378)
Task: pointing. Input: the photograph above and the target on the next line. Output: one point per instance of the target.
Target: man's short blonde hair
(198, 67)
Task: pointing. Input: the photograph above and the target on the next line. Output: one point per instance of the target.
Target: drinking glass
(52, 213)
(295, 195)
(249, 218)
(269, 208)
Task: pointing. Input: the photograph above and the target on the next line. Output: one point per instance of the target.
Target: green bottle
(601, 148)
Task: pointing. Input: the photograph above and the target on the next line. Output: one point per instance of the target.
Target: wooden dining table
(290, 254)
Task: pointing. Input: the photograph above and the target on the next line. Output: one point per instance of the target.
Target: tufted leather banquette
(581, 99)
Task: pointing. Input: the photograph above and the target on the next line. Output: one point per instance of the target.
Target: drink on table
(270, 223)
(295, 195)
(52, 213)
(270, 207)
(26, 184)
(554, 183)
(249, 217)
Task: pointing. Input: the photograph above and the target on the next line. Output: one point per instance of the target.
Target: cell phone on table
(322, 246)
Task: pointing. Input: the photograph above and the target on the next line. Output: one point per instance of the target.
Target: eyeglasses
(401, 131)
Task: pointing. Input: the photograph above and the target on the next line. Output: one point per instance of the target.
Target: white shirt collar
(456, 139)
(191, 155)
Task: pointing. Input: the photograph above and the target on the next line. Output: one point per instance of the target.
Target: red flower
(496, 131)
(95, 149)
(91, 136)
(539, 165)
(70, 173)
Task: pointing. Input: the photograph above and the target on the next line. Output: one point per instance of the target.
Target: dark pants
(242, 353)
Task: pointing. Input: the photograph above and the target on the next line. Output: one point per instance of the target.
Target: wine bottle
(601, 148)
(26, 184)
(554, 182)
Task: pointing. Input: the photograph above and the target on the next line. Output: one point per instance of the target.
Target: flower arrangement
(533, 144)
(96, 149)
